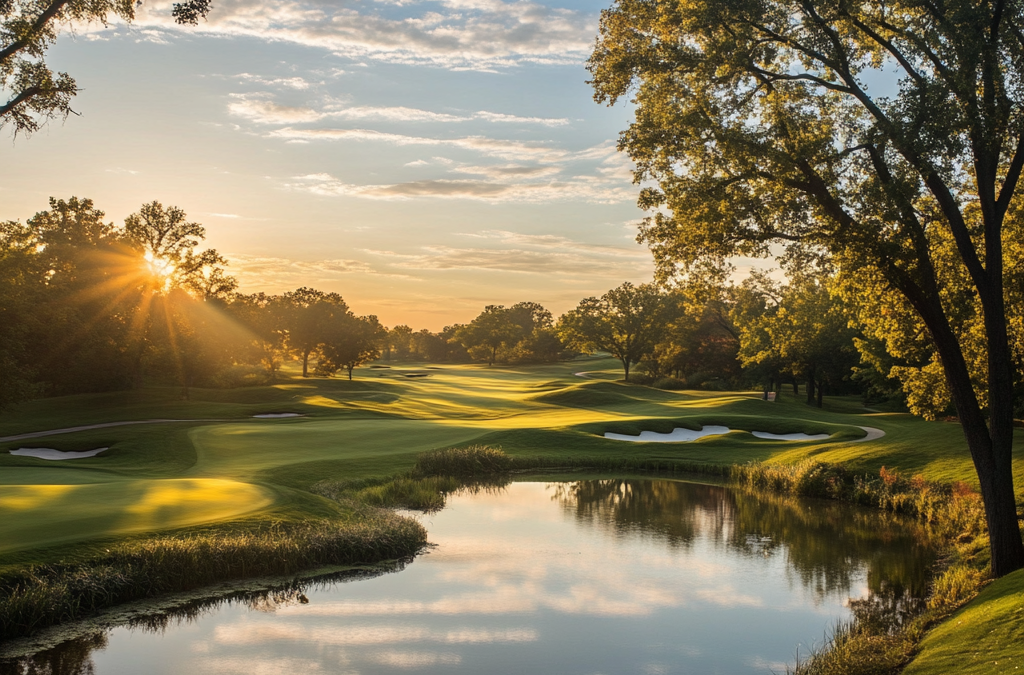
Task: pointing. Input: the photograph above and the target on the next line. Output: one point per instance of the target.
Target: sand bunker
(677, 435)
(789, 437)
(50, 453)
(271, 416)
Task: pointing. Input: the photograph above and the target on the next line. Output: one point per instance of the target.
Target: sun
(161, 268)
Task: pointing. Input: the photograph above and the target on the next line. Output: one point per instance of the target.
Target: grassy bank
(39, 596)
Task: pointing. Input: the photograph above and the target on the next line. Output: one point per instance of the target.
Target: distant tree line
(90, 306)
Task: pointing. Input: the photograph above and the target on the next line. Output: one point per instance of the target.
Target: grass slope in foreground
(986, 636)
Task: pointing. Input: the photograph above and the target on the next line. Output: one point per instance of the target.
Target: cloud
(504, 149)
(465, 34)
(287, 82)
(511, 170)
(554, 241)
(255, 273)
(260, 108)
(570, 259)
(572, 190)
(499, 117)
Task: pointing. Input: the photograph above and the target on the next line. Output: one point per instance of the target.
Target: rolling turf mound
(605, 395)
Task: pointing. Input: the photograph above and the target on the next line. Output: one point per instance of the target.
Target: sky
(422, 158)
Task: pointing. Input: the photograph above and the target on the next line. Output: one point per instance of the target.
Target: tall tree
(350, 342)
(93, 287)
(754, 120)
(265, 317)
(626, 322)
(309, 318)
(491, 329)
(30, 93)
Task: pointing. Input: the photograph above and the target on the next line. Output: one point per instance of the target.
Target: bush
(954, 587)
(241, 375)
(422, 494)
(669, 383)
(474, 460)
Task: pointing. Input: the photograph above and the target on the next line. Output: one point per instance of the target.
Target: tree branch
(19, 99)
(40, 23)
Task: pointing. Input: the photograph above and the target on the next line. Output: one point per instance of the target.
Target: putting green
(43, 515)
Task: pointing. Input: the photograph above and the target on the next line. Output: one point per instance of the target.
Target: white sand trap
(678, 435)
(50, 453)
(272, 416)
(789, 437)
(584, 374)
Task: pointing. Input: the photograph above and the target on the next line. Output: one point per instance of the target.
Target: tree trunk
(810, 386)
(821, 393)
(305, 362)
(796, 387)
(625, 366)
(990, 442)
(350, 373)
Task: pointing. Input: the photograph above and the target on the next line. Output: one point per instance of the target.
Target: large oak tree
(755, 120)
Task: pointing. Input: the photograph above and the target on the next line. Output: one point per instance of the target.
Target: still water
(589, 577)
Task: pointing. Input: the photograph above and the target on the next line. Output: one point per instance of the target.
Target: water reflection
(598, 576)
(826, 544)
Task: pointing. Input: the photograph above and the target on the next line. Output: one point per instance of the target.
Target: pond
(585, 577)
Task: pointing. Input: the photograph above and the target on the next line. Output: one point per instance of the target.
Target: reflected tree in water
(71, 658)
(826, 544)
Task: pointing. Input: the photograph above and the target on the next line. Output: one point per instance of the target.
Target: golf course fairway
(217, 464)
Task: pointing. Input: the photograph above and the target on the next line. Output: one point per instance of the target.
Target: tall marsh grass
(44, 595)
(474, 460)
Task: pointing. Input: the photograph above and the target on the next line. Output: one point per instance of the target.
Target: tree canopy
(626, 322)
(31, 92)
(755, 120)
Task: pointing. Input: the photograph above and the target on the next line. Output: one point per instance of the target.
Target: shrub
(954, 587)
(669, 383)
(241, 375)
(474, 460)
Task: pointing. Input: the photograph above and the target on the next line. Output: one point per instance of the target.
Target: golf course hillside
(131, 469)
(170, 464)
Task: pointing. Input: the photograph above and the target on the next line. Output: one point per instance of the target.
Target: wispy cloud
(505, 149)
(261, 108)
(568, 259)
(576, 189)
(465, 34)
(262, 273)
(295, 82)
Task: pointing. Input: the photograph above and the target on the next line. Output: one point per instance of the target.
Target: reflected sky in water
(593, 577)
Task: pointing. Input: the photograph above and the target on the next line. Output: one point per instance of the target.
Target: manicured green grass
(984, 637)
(170, 477)
(374, 427)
